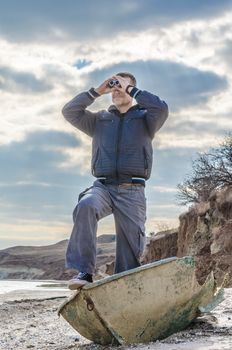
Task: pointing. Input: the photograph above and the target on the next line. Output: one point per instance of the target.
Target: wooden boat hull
(141, 305)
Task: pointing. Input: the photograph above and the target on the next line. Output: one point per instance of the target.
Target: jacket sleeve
(75, 113)
(157, 110)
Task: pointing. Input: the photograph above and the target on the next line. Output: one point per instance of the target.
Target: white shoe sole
(76, 284)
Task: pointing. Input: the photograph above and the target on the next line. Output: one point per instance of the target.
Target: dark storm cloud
(27, 20)
(180, 85)
(15, 81)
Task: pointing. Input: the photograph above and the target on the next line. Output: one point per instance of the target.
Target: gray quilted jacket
(121, 144)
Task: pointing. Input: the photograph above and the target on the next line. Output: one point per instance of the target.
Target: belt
(132, 181)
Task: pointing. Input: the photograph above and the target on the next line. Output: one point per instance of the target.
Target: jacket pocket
(145, 161)
(95, 161)
(83, 193)
(141, 243)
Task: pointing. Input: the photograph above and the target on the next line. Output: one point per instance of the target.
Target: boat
(141, 305)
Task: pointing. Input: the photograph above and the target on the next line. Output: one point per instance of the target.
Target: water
(26, 289)
(7, 286)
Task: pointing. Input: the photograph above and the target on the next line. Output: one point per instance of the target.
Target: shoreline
(34, 323)
(15, 290)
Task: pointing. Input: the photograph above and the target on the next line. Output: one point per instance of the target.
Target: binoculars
(113, 82)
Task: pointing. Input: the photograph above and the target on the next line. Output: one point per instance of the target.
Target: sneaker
(80, 280)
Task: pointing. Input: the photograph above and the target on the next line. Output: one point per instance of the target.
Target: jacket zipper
(118, 143)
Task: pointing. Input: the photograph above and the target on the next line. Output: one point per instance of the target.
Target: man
(121, 162)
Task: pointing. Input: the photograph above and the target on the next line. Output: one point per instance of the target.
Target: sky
(52, 50)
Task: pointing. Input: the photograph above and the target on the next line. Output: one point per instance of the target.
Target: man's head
(128, 75)
(120, 98)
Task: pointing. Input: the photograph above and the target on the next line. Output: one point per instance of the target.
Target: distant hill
(48, 262)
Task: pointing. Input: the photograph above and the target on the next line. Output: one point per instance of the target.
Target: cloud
(179, 85)
(32, 183)
(24, 82)
(179, 50)
(36, 158)
(225, 53)
(59, 20)
(185, 128)
(170, 166)
(164, 189)
(81, 63)
(51, 138)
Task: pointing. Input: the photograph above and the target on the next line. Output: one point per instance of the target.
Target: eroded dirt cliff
(205, 231)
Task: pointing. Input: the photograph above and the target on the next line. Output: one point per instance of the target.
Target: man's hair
(129, 75)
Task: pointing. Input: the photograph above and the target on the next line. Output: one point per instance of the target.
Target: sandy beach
(31, 322)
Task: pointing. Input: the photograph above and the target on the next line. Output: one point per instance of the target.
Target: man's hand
(123, 82)
(104, 87)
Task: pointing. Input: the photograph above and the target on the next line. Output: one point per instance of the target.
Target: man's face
(120, 97)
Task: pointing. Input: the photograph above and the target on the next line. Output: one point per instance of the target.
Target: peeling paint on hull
(141, 305)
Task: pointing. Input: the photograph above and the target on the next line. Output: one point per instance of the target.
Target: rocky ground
(34, 324)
